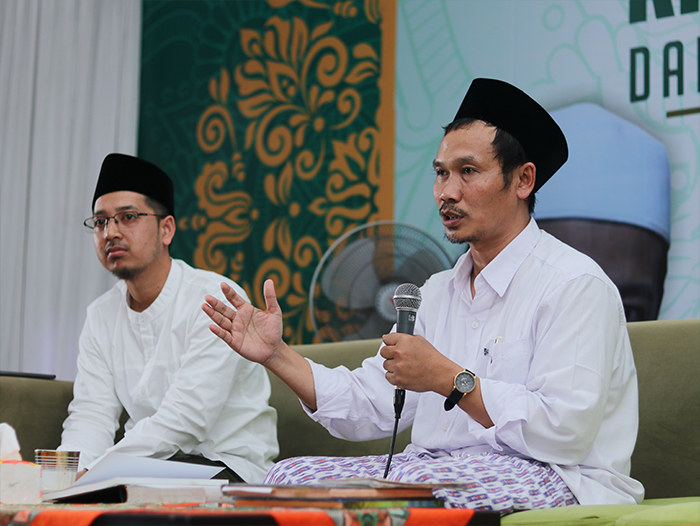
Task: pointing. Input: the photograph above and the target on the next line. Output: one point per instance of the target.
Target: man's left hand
(413, 363)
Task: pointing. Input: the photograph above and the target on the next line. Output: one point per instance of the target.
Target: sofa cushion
(652, 512)
(603, 515)
(682, 512)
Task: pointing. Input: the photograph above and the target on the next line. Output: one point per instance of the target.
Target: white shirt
(546, 334)
(183, 388)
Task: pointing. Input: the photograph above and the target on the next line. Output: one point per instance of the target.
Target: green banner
(275, 121)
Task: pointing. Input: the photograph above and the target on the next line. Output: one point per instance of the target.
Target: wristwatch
(464, 383)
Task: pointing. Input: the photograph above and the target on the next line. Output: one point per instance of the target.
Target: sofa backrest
(36, 409)
(666, 458)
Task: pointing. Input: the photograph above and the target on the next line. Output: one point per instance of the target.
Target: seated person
(145, 347)
(520, 381)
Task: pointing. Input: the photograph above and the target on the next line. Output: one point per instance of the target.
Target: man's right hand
(251, 332)
(257, 336)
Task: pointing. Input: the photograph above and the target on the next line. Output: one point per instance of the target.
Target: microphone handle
(399, 398)
(405, 321)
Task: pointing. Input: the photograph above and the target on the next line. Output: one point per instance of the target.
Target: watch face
(465, 382)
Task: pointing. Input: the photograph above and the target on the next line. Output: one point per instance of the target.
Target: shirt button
(445, 426)
(475, 324)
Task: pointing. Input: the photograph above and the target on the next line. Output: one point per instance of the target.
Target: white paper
(114, 465)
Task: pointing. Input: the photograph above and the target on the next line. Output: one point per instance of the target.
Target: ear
(526, 180)
(167, 229)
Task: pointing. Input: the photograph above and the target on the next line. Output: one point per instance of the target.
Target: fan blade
(350, 280)
(374, 327)
(419, 265)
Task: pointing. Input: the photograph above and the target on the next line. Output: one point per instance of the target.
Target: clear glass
(125, 220)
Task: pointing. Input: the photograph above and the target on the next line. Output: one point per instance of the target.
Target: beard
(454, 237)
(127, 273)
(455, 240)
(131, 272)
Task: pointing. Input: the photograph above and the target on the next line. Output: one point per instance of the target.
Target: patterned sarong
(491, 481)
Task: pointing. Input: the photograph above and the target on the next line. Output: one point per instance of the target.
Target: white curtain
(68, 96)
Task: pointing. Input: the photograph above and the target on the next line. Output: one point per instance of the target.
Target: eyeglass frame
(108, 219)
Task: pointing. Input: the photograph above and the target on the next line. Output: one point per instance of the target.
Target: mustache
(112, 245)
(449, 207)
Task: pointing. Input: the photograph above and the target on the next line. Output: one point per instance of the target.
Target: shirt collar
(501, 270)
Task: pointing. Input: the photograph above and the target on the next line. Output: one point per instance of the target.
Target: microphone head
(407, 297)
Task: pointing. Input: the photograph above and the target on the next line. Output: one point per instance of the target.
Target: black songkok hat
(510, 109)
(123, 172)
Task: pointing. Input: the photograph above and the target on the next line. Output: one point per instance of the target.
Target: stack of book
(336, 493)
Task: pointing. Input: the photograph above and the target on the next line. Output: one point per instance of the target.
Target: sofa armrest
(666, 458)
(299, 435)
(36, 409)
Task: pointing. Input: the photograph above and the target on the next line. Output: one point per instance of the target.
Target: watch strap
(454, 398)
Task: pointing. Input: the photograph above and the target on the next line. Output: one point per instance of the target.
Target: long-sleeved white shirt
(183, 388)
(546, 334)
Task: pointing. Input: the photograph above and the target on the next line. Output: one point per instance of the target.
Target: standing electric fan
(351, 293)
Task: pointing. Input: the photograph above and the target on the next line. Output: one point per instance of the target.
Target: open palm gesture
(253, 333)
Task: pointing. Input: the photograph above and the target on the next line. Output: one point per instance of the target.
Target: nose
(447, 189)
(111, 229)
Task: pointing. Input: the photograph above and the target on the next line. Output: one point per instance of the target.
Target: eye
(99, 222)
(129, 217)
(467, 170)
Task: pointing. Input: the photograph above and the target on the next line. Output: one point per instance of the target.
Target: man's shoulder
(558, 257)
(205, 281)
(110, 299)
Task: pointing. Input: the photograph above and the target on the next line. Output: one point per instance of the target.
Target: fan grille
(353, 285)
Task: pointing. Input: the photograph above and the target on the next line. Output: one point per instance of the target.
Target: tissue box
(20, 482)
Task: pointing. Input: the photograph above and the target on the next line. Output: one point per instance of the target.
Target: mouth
(115, 251)
(451, 216)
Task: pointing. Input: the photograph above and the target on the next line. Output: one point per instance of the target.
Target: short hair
(508, 151)
(157, 207)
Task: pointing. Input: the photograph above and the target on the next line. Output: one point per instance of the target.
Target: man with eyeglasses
(146, 347)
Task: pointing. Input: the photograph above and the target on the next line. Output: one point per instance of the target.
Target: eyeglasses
(125, 220)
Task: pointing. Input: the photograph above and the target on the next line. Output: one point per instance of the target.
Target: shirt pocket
(509, 361)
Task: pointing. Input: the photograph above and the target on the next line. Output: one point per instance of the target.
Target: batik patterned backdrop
(275, 120)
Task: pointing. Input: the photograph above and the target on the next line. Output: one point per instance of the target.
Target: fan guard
(352, 289)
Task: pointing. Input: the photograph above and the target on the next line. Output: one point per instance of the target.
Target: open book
(124, 478)
(140, 490)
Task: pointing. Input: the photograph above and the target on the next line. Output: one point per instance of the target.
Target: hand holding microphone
(407, 299)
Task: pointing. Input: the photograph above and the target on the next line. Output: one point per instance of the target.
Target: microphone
(407, 298)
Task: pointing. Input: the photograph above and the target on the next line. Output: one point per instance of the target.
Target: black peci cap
(121, 172)
(506, 107)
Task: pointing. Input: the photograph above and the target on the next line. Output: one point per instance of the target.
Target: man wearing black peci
(520, 381)
(145, 347)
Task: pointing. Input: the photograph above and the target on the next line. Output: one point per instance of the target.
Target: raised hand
(253, 333)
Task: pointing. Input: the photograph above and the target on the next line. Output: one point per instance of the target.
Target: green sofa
(666, 459)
